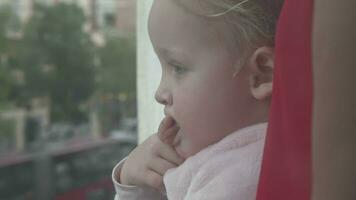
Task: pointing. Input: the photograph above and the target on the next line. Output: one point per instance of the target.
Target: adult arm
(334, 109)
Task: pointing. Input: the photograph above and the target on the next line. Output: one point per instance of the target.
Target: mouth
(168, 115)
(175, 124)
(177, 140)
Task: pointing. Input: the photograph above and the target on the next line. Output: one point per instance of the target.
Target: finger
(154, 180)
(160, 165)
(168, 153)
(169, 135)
(165, 124)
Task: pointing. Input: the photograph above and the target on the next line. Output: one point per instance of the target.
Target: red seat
(286, 166)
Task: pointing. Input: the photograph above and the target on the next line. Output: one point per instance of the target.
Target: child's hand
(147, 163)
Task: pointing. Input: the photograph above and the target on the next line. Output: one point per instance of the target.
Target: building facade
(102, 15)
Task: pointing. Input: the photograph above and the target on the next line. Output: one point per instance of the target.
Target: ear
(261, 65)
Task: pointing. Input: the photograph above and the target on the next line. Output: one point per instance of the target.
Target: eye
(178, 69)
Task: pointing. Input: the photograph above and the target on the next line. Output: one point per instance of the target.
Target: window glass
(67, 96)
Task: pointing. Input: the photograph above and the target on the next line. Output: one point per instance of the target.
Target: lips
(176, 137)
(176, 140)
(174, 122)
(176, 143)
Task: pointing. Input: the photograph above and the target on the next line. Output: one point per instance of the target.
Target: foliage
(5, 85)
(8, 23)
(117, 76)
(7, 129)
(57, 57)
(117, 72)
(58, 61)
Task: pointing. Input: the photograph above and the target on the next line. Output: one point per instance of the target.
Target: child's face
(197, 85)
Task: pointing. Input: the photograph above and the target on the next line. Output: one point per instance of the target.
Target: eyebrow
(173, 54)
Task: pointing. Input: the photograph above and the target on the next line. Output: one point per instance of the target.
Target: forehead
(171, 26)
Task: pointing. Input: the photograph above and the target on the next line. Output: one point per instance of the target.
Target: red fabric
(286, 166)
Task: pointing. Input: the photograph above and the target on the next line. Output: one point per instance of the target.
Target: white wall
(148, 75)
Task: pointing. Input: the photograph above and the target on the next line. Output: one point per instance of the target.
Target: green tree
(9, 24)
(116, 81)
(57, 57)
(4, 19)
(5, 85)
(117, 72)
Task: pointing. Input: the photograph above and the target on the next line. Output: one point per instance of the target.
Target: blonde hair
(253, 22)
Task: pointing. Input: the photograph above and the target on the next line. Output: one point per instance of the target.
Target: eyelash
(178, 70)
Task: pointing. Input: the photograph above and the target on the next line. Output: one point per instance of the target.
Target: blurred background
(67, 96)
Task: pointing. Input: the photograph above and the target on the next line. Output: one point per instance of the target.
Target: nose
(163, 95)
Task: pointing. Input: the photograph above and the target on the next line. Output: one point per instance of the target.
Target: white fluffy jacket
(227, 170)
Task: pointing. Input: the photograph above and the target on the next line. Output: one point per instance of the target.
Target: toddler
(217, 63)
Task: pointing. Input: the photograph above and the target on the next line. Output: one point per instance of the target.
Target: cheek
(205, 114)
(192, 114)
(209, 105)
